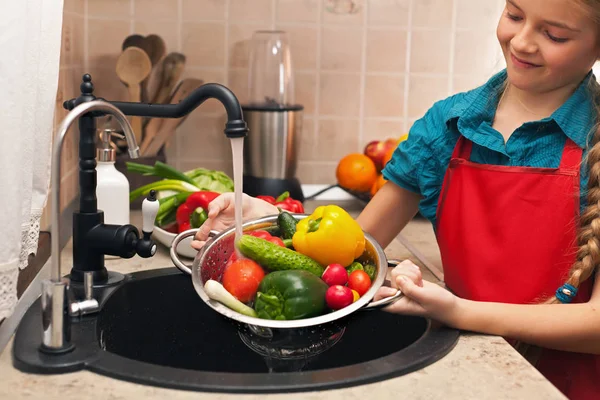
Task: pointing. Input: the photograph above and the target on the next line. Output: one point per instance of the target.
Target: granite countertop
(479, 367)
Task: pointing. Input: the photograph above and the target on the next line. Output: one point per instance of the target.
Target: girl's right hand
(221, 215)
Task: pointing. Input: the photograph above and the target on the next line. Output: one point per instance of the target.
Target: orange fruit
(379, 182)
(356, 172)
(388, 155)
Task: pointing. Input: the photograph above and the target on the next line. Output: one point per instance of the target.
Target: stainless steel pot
(279, 339)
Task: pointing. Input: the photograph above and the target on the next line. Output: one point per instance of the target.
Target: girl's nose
(523, 41)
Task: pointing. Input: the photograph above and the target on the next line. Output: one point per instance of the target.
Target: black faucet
(92, 239)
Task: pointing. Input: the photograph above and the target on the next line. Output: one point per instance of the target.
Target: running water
(237, 153)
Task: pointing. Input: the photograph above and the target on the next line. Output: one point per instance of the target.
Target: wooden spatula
(133, 66)
(159, 130)
(172, 69)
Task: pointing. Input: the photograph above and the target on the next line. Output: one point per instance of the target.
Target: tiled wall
(364, 75)
(71, 67)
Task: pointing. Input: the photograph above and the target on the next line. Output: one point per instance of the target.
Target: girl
(501, 172)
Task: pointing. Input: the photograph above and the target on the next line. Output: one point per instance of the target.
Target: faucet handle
(145, 247)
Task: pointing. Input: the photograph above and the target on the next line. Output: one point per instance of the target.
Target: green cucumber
(275, 257)
(287, 224)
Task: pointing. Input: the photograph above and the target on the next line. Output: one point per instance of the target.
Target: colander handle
(374, 305)
(173, 251)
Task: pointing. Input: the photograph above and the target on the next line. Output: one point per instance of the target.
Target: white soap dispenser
(112, 189)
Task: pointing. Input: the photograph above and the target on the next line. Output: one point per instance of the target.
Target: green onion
(166, 184)
(160, 170)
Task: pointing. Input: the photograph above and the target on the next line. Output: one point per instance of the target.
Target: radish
(338, 297)
(335, 274)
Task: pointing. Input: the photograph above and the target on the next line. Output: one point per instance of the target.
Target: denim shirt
(420, 162)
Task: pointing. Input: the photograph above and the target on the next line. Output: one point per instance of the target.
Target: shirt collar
(576, 117)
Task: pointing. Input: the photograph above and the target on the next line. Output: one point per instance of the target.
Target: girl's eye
(513, 17)
(556, 39)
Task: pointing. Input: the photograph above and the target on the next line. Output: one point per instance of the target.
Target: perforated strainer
(210, 262)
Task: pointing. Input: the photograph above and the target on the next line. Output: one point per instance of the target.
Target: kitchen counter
(479, 367)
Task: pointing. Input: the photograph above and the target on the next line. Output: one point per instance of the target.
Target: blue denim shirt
(420, 162)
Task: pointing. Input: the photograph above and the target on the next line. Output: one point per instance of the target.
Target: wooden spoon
(159, 130)
(133, 66)
(172, 68)
(156, 47)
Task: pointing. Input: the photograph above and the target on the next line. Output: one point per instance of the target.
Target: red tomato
(338, 297)
(359, 281)
(242, 278)
(267, 236)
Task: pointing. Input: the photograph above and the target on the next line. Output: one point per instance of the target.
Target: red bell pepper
(193, 212)
(284, 202)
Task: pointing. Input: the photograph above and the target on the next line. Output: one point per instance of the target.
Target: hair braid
(588, 237)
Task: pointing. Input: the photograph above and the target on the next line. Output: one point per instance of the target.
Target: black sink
(154, 329)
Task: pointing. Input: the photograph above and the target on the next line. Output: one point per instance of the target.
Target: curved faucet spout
(134, 152)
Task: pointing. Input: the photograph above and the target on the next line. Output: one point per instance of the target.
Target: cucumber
(287, 224)
(276, 258)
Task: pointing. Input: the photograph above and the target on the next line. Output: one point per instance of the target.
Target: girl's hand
(221, 215)
(421, 297)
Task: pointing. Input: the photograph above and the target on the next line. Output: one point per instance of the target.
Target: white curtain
(30, 36)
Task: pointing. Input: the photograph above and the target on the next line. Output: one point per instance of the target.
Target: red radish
(338, 297)
(335, 274)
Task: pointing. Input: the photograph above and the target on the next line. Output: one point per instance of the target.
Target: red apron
(508, 234)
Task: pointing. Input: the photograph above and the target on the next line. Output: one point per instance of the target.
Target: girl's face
(547, 44)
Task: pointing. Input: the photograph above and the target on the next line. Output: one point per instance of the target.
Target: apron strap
(570, 160)
(571, 156)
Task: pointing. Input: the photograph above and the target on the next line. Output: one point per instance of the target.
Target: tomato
(338, 297)
(267, 236)
(242, 278)
(359, 281)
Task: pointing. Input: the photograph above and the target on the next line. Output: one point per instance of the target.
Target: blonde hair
(588, 236)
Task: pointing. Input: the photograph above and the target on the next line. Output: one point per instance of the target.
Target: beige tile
(117, 9)
(430, 51)
(194, 10)
(105, 37)
(339, 95)
(238, 83)
(323, 173)
(433, 13)
(297, 10)
(305, 88)
(208, 76)
(384, 96)
(341, 48)
(78, 43)
(375, 129)
(107, 84)
(335, 138)
(303, 45)
(477, 53)
(76, 6)
(386, 50)
(389, 12)
(464, 83)
(423, 92)
(204, 44)
(351, 12)
(250, 10)
(202, 137)
(306, 141)
(477, 14)
(156, 9)
(240, 36)
(67, 38)
(167, 30)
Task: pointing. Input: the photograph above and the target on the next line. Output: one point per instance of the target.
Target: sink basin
(154, 329)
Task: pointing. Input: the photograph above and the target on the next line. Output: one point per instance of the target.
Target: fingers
(383, 292)
(408, 269)
(198, 244)
(410, 288)
(219, 204)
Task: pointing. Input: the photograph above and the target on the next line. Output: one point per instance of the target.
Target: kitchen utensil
(273, 117)
(156, 52)
(159, 130)
(133, 66)
(210, 262)
(157, 48)
(135, 40)
(172, 68)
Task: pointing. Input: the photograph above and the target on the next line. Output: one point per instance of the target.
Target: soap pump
(112, 190)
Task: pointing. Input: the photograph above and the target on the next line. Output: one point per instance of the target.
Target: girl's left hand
(421, 297)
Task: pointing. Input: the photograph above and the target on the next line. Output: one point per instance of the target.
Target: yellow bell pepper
(330, 235)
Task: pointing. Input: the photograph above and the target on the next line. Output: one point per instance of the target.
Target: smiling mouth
(522, 63)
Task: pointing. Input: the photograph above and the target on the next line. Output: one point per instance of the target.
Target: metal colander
(210, 262)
